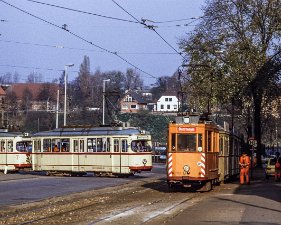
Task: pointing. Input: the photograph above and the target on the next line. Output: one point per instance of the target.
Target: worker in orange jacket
(244, 163)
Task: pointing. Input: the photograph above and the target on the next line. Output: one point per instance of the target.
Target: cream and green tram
(101, 150)
(15, 151)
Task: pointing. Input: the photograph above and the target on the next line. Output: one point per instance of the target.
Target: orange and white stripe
(170, 164)
(203, 161)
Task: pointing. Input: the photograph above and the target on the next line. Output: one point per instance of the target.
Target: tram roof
(11, 134)
(90, 131)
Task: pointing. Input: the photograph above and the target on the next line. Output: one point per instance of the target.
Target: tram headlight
(186, 168)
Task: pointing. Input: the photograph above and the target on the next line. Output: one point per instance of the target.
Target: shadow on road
(265, 188)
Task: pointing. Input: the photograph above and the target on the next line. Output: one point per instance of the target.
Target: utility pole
(103, 98)
(65, 87)
(57, 109)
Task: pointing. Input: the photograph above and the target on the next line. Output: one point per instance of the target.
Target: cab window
(186, 142)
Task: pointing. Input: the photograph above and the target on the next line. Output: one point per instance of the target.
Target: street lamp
(103, 98)
(65, 86)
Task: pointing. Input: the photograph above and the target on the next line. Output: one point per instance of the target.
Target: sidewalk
(258, 203)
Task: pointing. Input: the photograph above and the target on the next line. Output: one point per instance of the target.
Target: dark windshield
(140, 146)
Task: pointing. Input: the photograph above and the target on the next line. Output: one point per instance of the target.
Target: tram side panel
(212, 166)
(234, 153)
(14, 152)
(224, 157)
(104, 153)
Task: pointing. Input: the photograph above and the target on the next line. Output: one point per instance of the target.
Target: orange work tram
(193, 153)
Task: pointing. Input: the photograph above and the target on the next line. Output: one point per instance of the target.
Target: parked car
(270, 168)
(163, 156)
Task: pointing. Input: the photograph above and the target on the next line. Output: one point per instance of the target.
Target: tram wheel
(206, 187)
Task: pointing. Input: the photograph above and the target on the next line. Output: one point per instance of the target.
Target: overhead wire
(84, 49)
(177, 20)
(64, 27)
(80, 11)
(109, 17)
(125, 20)
(151, 27)
(30, 67)
(109, 26)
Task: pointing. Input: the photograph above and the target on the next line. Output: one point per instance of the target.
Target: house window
(124, 106)
(175, 106)
(128, 99)
(168, 107)
(170, 99)
(166, 99)
(162, 106)
(133, 106)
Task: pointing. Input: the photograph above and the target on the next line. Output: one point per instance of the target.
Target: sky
(32, 39)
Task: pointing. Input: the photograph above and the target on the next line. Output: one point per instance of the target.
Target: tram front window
(140, 146)
(186, 142)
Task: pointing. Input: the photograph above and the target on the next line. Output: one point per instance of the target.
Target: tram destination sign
(187, 129)
(143, 137)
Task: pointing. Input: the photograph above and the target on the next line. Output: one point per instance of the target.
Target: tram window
(75, 146)
(81, 145)
(214, 142)
(108, 145)
(173, 142)
(135, 145)
(10, 146)
(65, 145)
(92, 147)
(116, 145)
(200, 142)
(56, 145)
(209, 140)
(2, 146)
(221, 145)
(94, 144)
(186, 142)
(226, 145)
(24, 146)
(47, 145)
(104, 144)
(140, 146)
(124, 146)
(146, 146)
(37, 146)
(99, 144)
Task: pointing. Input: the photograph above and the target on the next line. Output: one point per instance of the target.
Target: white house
(168, 102)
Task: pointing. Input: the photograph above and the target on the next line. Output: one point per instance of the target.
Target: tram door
(3, 156)
(78, 158)
(120, 160)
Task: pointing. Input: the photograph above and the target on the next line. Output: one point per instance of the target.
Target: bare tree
(34, 78)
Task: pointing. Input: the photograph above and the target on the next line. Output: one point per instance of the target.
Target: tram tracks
(37, 212)
(137, 202)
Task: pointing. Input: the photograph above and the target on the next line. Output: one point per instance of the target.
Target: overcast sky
(36, 43)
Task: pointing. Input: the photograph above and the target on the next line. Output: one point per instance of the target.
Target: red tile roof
(2, 92)
(34, 88)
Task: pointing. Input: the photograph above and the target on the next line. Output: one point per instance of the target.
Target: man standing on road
(278, 169)
(244, 163)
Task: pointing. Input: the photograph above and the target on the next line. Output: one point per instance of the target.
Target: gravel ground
(146, 201)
